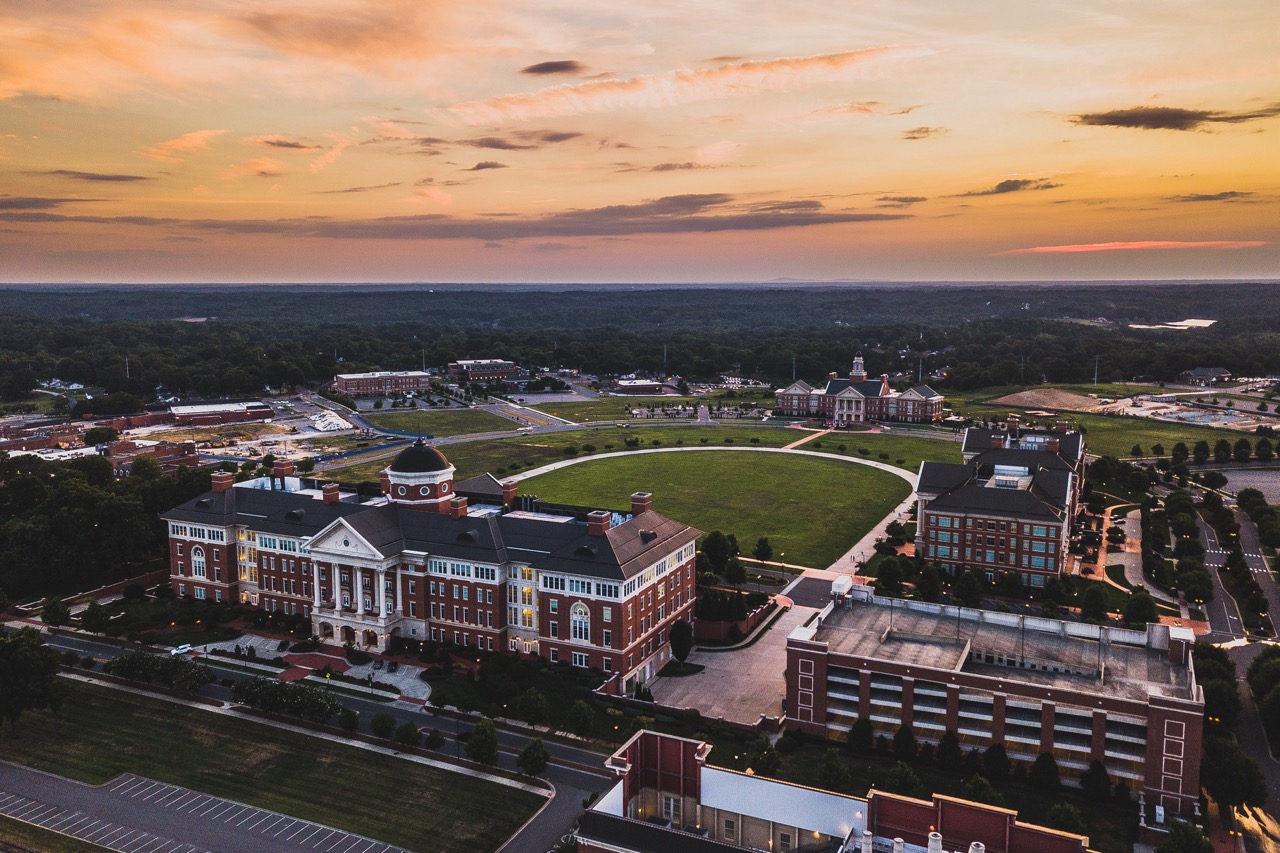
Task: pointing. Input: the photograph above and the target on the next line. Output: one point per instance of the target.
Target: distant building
(1009, 507)
(637, 386)
(668, 800)
(1128, 699)
(382, 383)
(590, 588)
(859, 400)
(483, 369)
(1205, 376)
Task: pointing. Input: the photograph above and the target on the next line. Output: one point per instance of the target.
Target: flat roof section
(947, 642)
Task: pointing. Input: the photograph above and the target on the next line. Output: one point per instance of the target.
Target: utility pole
(793, 367)
(1095, 370)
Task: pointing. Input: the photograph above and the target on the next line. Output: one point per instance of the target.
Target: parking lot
(136, 815)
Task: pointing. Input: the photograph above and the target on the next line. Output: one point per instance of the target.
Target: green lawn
(450, 422)
(100, 733)
(29, 837)
(812, 510)
(610, 408)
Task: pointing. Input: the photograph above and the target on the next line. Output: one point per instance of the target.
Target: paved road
(136, 815)
(1224, 615)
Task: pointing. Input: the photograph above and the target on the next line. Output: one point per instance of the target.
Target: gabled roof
(797, 387)
(925, 391)
(484, 486)
(1070, 444)
(281, 513)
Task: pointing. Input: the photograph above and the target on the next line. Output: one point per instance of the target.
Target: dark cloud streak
(1171, 118)
(89, 176)
(1013, 185)
(554, 66)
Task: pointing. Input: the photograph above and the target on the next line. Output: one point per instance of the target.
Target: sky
(569, 141)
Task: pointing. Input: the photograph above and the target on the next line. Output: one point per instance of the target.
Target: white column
(315, 586)
(380, 597)
(399, 585)
(358, 589)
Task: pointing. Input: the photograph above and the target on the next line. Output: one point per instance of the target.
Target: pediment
(340, 539)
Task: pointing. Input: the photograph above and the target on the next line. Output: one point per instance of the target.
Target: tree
(348, 720)
(980, 790)
(929, 583)
(1263, 450)
(889, 577)
(716, 549)
(1230, 775)
(735, 572)
(1180, 453)
(681, 640)
(763, 550)
(29, 673)
(1140, 609)
(482, 746)
(861, 735)
(904, 742)
(1044, 773)
(833, 771)
(4, 602)
(995, 762)
(949, 754)
(1213, 479)
(1136, 450)
(383, 725)
(1095, 782)
(581, 716)
(532, 760)
(1243, 450)
(1066, 817)
(100, 435)
(1185, 838)
(970, 586)
(1093, 604)
(55, 613)
(1222, 451)
(95, 618)
(905, 781)
(532, 706)
(763, 757)
(407, 734)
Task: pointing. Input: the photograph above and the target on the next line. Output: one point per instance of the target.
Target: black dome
(419, 458)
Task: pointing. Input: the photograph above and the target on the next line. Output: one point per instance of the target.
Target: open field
(449, 422)
(252, 429)
(813, 510)
(521, 452)
(100, 733)
(610, 408)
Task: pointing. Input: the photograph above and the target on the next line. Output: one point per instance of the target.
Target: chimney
(188, 448)
(1052, 445)
(458, 508)
(885, 390)
(598, 522)
(832, 375)
(509, 490)
(329, 493)
(898, 844)
(867, 839)
(977, 847)
(641, 502)
(281, 468)
(1011, 424)
(997, 441)
(935, 842)
(1061, 426)
(223, 480)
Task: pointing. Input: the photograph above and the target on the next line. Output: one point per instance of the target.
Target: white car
(180, 650)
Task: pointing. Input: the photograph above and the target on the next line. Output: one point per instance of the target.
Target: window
(200, 593)
(608, 664)
(671, 808)
(580, 622)
(553, 605)
(179, 549)
(730, 829)
(554, 628)
(413, 587)
(580, 659)
(606, 614)
(197, 562)
(784, 841)
(555, 653)
(608, 638)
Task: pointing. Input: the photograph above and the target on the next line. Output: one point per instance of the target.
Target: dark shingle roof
(282, 513)
(420, 458)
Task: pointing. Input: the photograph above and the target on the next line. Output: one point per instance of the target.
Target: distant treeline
(128, 340)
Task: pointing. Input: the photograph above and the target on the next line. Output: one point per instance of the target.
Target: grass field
(34, 838)
(610, 408)
(101, 733)
(244, 430)
(450, 422)
(812, 510)
(522, 452)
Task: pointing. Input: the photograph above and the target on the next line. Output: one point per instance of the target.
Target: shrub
(383, 725)
(348, 720)
(408, 734)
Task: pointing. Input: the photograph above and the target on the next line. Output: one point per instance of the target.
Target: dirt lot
(1049, 398)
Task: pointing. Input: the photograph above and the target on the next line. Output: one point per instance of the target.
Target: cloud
(1137, 246)
(676, 167)
(359, 189)
(674, 87)
(923, 132)
(260, 167)
(854, 108)
(495, 142)
(329, 157)
(1013, 185)
(1171, 118)
(1229, 195)
(90, 176)
(11, 202)
(554, 66)
(548, 136)
(281, 142)
(173, 150)
(902, 200)
(486, 164)
(433, 195)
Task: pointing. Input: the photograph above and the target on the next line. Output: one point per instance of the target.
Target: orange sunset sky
(487, 140)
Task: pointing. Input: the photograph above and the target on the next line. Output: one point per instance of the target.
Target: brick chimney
(223, 480)
(1051, 445)
(509, 490)
(641, 502)
(598, 522)
(281, 468)
(458, 508)
(329, 493)
(832, 375)
(997, 441)
(1061, 426)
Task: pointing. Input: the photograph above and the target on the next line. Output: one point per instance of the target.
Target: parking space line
(290, 825)
(159, 790)
(250, 816)
(103, 839)
(341, 837)
(354, 842)
(176, 792)
(17, 804)
(155, 840)
(265, 815)
(71, 830)
(27, 809)
(229, 817)
(126, 783)
(319, 841)
(213, 806)
(199, 801)
(273, 823)
(70, 817)
(7, 798)
(102, 830)
(131, 834)
(177, 802)
(144, 786)
(314, 829)
(220, 808)
(40, 814)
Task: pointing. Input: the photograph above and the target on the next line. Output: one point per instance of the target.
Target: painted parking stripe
(252, 813)
(200, 800)
(7, 798)
(17, 804)
(341, 837)
(234, 814)
(303, 828)
(155, 841)
(143, 789)
(290, 825)
(100, 831)
(40, 814)
(70, 817)
(181, 801)
(328, 834)
(273, 823)
(27, 809)
(111, 837)
(158, 793)
(265, 815)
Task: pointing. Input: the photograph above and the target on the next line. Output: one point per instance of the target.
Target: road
(1224, 615)
(575, 772)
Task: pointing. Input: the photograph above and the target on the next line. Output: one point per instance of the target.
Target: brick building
(1080, 692)
(1009, 507)
(482, 369)
(668, 800)
(593, 588)
(857, 400)
(382, 382)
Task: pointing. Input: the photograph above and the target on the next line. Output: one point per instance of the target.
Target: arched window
(197, 562)
(580, 622)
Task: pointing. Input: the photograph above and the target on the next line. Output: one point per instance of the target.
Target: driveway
(739, 685)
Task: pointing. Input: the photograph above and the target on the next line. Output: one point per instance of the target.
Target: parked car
(183, 649)
(377, 664)
(283, 646)
(393, 666)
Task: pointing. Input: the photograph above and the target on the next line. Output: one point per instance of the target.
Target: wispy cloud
(1228, 195)
(359, 189)
(923, 132)
(677, 167)
(175, 150)
(274, 141)
(486, 164)
(90, 176)
(1013, 185)
(674, 87)
(260, 167)
(329, 157)
(901, 200)
(1172, 118)
(1137, 246)
(11, 202)
(554, 66)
